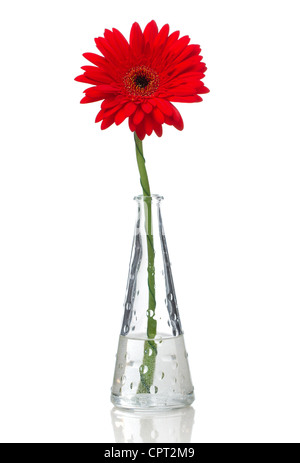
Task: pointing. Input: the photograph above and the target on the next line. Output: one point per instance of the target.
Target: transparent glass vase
(152, 370)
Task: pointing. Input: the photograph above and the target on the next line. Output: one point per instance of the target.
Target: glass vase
(152, 370)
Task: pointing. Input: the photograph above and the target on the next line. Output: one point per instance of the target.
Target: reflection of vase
(172, 426)
(152, 370)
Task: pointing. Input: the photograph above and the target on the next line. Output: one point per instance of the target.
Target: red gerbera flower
(139, 80)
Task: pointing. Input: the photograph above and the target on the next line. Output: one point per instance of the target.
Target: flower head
(139, 80)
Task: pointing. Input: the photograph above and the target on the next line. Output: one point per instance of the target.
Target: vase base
(149, 402)
(169, 385)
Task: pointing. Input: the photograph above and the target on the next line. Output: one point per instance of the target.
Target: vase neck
(149, 215)
(150, 304)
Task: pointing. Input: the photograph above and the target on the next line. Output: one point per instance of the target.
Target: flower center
(141, 81)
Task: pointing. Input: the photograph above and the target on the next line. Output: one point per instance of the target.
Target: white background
(231, 212)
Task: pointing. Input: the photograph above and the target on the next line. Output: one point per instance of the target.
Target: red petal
(93, 58)
(120, 117)
(97, 74)
(152, 101)
(204, 90)
(140, 131)
(111, 111)
(96, 92)
(158, 116)
(138, 116)
(148, 125)
(136, 39)
(162, 36)
(123, 44)
(110, 102)
(150, 32)
(192, 79)
(180, 45)
(113, 42)
(85, 80)
(110, 54)
(182, 90)
(185, 99)
(164, 106)
(169, 121)
(129, 108)
(186, 65)
(108, 88)
(168, 46)
(147, 107)
(157, 128)
(99, 116)
(131, 124)
(172, 38)
(88, 99)
(178, 122)
(107, 122)
(189, 52)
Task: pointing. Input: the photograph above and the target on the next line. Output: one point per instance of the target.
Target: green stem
(150, 348)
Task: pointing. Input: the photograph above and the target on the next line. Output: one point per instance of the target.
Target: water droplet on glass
(175, 365)
(131, 385)
(133, 328)
(128, 306)
(138, 293)
(123, 380)
(153, 390)
(158, 339)
(169, 324)
(126, 329)
(150, 313)
(174, 381)
(170, 297)
(162, 375)
(148, 352)
(143, 369)
(168, 358)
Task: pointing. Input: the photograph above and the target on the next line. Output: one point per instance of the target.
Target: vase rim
(144, 197)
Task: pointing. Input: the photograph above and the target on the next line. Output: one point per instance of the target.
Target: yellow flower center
(141, 81)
